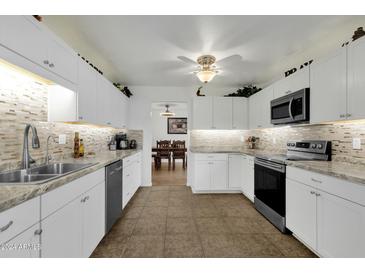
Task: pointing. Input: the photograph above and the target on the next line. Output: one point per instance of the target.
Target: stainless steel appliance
(291, 108)
(270, 173)
(122, 141)
(114, 195)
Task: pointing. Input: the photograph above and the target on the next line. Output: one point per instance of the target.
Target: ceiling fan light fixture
(167, 112)
(206, 76)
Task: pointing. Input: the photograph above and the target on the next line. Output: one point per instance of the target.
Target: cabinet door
(21, 35)
(301, 211)
(104, 101)
(235, 171)
(203, 113)
(61, 236)
(292, 83)
(222, 113)
(219, 175)
(259, 107)
(93, 213)
(62, 60)
(239, 113)
(249, 179)
(356, 79)
(341, 226)
(328, 94)
(25, 245)
(87, 103)
(202, 176)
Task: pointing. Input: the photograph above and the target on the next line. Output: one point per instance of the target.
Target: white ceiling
(143, 50)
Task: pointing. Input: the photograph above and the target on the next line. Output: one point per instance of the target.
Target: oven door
(270, 184)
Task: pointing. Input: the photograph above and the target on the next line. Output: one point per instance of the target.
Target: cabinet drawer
(19, 218)
(211, 157)
(342, 188)
(59, 197)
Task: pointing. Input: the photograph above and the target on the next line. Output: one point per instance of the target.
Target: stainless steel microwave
(291, 108)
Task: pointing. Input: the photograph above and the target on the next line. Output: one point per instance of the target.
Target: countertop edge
(27, 192)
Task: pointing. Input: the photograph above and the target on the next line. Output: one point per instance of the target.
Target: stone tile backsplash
(275, 139)
(23, 100)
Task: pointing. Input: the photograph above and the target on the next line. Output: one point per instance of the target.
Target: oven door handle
(270, 165)
(290, 108)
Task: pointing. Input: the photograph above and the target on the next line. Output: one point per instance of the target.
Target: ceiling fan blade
(187, 60)
(230, 59)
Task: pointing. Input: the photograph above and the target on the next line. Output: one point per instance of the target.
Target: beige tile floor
(170, 221)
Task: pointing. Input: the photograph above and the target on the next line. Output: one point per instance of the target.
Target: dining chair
(178, 152)
(163, 152)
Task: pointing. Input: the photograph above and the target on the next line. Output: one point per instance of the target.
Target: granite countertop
(347, 171)
(12, 195)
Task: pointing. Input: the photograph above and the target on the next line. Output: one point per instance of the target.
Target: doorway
(169, 143)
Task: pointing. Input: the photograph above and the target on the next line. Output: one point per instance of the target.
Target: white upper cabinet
(259, 108)
(239, 113)
(86, 93)
(356, 79)
(292, 83)
(203, 112)
(24, 37)
(222, 113)
(62, 60)
(328, 93)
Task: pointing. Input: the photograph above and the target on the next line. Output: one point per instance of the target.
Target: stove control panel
(311, 146)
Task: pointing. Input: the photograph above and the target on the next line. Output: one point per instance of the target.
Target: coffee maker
(122, 141)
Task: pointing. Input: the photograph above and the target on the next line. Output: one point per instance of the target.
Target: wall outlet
(62, 139)
(356, 143)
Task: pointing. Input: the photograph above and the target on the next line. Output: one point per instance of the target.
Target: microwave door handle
(290, 108)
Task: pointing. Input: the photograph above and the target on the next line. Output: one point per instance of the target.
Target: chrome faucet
(49, 157)
(27, 160)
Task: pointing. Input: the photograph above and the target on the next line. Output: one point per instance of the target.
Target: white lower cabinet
(236, 167)
(25, 245)
(316, 213)
(73, 217)
(210, 172)
(61, 232)
(341, 225)
(93, 213)
(132, 169)
(301, 211)
(248, 182)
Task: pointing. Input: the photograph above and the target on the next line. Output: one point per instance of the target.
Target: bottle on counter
(82, 148)
(76, 145)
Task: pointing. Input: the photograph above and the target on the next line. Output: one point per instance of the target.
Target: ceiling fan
(207, 65)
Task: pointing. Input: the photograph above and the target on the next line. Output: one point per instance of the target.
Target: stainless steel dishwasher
(114, 195)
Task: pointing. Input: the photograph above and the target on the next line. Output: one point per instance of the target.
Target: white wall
(159, 126)
(140, 113)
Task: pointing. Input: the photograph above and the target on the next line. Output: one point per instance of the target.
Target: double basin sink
(40, 174)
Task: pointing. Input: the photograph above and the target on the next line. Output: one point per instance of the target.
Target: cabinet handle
(348, 115)
(51, 65)
(312, 192)
(118, 168)
(5, 227)
(342, 115)
(81, 118)
(46, 62)
(316, 181)
(87, 197)
(317, 194)
(38, 232)
(109, 123)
